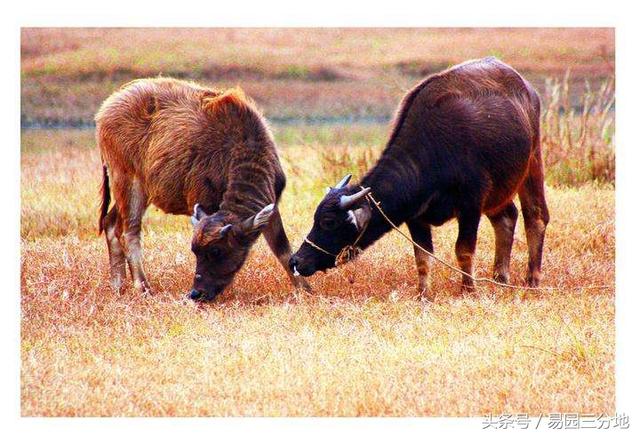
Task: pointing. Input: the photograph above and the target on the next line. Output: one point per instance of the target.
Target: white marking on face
(352, 219)
(295, 272)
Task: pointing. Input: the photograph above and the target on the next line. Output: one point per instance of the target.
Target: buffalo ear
(198, 214)
(258, 221)
(359, 217)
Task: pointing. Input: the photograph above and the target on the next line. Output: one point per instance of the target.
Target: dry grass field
(291, 73)
(362, 344)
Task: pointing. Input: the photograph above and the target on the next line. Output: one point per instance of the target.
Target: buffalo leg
(132, 215)
(468, 221)
(279, 244)
(536, 217)
(504, 225)
(113, 230)
(421, 235)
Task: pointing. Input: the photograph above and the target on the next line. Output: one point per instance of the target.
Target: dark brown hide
(464, 143)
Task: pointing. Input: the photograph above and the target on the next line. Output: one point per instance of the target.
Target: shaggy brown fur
(175, 144)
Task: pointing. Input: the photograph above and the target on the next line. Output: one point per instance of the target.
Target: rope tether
(464, 273)
(351, 251)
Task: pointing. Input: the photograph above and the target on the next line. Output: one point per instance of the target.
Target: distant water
(56, 124)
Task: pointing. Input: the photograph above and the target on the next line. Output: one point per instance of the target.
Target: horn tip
(344, 182)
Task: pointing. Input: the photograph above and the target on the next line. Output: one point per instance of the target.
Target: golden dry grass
(361, 345)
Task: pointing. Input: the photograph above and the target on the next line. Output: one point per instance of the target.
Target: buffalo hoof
(501, 278)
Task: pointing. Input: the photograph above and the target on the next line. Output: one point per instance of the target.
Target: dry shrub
(338, 161)
(578, 136)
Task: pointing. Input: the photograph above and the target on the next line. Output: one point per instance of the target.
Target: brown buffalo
(188, 149)
(464, 143)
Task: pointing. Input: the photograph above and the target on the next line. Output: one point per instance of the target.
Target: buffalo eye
(213, 253)
(329, 223)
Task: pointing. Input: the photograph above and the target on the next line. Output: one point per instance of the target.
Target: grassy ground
(358, 346)
(362, 344)
(66, 73)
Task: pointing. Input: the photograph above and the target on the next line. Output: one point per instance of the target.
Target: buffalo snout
(202, 295)
(299, 266)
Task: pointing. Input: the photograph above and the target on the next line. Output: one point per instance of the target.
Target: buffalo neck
(251, 178)
(399, 188)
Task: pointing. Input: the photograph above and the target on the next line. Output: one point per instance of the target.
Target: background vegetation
(336, 76)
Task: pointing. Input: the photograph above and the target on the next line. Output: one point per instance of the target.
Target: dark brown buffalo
(464, 143)
(185, 148)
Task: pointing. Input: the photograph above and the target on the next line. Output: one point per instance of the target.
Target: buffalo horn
(347, 201)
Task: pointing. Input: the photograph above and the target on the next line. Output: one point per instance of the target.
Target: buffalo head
(339, 219)
(221, 243)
